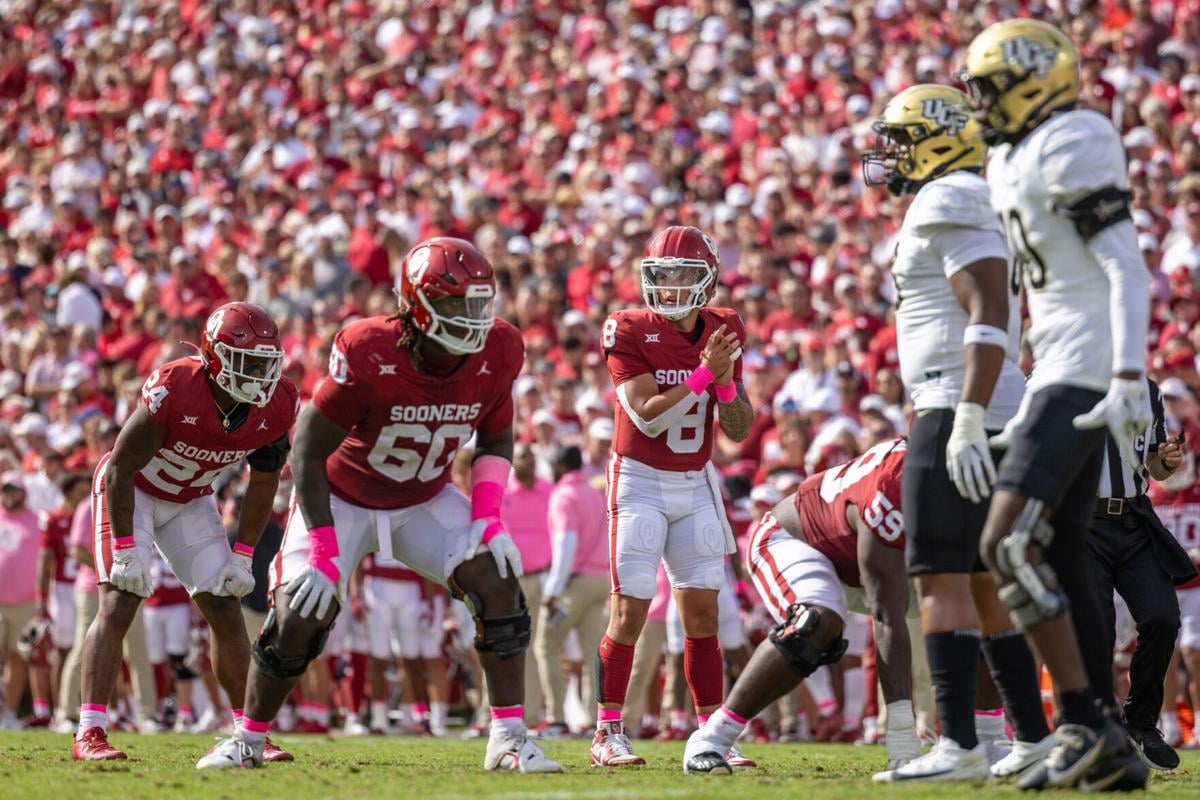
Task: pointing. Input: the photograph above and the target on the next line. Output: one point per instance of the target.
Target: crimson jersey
(1181, 515)
(388, 568)
(56, 532)
(404, 427)
(639, 342)
(198, 448)
(871, 483)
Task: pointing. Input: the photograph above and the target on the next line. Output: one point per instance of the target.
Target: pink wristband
(726, 393)
(123, 543)
(489, 474)
(323, 548)
(700, 379)
(243, 549)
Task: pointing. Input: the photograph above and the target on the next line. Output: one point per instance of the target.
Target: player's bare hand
(718, 351)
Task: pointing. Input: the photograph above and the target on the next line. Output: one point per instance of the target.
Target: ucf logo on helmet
(944, 116)
(1030, 54)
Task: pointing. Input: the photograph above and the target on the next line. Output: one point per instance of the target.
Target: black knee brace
(179, 668)
(276, 665)
(800, 654)
(506, 636)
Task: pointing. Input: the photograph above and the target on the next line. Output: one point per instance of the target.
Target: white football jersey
(949, 226)
(1066, 158)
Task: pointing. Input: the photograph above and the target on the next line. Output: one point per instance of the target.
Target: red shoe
(648, 732)
(308, 726)
(273, 753)
(736, 760)
(93, 746)
(758, 732)
(36, 722)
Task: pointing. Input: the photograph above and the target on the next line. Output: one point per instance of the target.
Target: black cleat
(1117, 773)
(707, 764)
(1154, 752)
(1077, 749)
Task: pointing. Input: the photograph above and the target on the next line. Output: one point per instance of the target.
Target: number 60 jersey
(640, 342)
(405, 427)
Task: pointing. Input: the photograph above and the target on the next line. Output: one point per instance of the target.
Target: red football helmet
(449, 287)
(35, 643)
(679, 272)
(242, 353)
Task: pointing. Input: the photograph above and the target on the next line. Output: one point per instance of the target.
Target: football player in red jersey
(842, 528)
(669, 361)
(372, 471)
(198, 417)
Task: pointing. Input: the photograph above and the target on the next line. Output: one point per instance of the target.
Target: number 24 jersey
(405, 427)
(639, 342)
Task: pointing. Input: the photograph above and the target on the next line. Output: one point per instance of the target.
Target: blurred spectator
(19, 538)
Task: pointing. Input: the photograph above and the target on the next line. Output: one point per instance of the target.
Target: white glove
(490, 532)
(1002, 439)
(901, 739)
(310, 590)
(235, 578)
(1125, 410)
(968, 459)
(128, 573)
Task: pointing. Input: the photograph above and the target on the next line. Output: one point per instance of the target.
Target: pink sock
(93, 715)
(508, 719)
(608, 716)
(253, 732)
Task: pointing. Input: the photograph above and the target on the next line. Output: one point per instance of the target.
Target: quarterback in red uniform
(674, 363)
(372, 471)
(843, 527)
(198, 417)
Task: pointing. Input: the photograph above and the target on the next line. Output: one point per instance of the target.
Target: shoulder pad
(1080, 153)
(960, 200)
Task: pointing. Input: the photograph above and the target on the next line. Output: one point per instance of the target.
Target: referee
(1135, 554)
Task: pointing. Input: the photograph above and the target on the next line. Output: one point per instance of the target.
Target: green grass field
(37, 765)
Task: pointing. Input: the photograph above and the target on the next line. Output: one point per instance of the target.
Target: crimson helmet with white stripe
(448, 288)
(679, 271)
(242, 352)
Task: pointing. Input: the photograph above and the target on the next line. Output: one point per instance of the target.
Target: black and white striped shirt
(1116, 478)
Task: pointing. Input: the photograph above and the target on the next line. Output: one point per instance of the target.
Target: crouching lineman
(959, 338)
(372, 473)
(198, 417)
(842, 527)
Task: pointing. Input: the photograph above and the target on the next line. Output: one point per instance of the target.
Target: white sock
(321, 715)
(257, 740)
(820, 686)
(717, 734)
(855, 690)
(406, 717)
(92, 719)
(1170, 719)
(437, 715)
(989, 727)
(379, 716)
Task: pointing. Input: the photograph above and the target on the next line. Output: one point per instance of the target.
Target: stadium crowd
(158, 159)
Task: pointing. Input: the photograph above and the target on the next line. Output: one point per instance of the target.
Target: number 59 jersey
(1065, 159)
(404, 427)
(871, 483)
(639, 342)
(198, 448)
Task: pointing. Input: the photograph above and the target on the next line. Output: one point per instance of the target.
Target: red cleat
(272, 753)
(93, 746)
(672, 735)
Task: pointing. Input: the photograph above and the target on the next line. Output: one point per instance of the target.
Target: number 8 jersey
(639, 342)
(1066, 158)
(404, 426)
(198, 448)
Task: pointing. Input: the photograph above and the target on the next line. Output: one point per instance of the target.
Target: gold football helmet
(924, 132)
(1018, 72)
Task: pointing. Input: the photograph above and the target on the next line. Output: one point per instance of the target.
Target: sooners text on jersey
(871, 483)
(640, 342)
(198, 448)
(405, 427)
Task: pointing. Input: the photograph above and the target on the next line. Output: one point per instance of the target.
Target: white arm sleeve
(1115, 249)
(562, 558)
(654, 427)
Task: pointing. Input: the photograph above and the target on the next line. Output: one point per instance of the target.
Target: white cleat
(1022, 756)
(355, 727)
(997, 750)
(612, 748)
(230, 753)
(517, 753)
(945, 762)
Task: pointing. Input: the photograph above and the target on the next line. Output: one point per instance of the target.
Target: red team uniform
(390, 477)
(665, 487)
(814, 568)
(1180, 513)
(60, 604)
(401, 621)
(173, 509)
